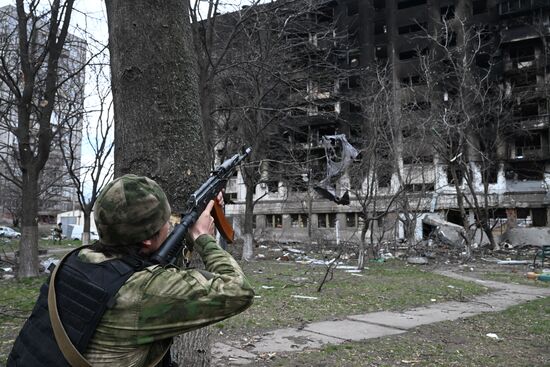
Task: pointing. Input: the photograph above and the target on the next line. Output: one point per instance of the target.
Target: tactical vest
(84, 292)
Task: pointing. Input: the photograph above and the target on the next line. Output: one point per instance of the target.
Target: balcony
(529, 153)
(512, 7)
(532, 122)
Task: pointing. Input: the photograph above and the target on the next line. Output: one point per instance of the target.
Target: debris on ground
(417, 260)
(304, 297)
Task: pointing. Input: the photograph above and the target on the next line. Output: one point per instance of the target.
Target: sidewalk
(377, 324)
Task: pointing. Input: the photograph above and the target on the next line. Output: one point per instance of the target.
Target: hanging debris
(340, 154)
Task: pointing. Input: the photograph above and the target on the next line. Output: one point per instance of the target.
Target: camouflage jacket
(159, 303)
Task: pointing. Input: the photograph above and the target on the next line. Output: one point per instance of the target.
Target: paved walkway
(377, 324)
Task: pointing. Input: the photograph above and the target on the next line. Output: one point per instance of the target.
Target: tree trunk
(157, 116)
(86, 229)
(248, 247)
(28, 246)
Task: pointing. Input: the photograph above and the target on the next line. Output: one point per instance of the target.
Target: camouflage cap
(129, 210)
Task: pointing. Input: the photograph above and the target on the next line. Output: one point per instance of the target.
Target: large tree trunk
(157, 116)
(28, 247)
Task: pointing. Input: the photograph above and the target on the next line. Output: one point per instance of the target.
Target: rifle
(197, 202)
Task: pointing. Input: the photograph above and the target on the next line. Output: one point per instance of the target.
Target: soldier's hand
(205, 223)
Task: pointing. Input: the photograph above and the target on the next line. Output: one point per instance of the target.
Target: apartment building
(504, 165)
(58, 194)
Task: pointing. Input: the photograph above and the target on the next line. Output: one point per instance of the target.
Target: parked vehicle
(76, 233)
(9, 233)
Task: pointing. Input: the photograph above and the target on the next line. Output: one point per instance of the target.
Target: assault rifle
(197, 202)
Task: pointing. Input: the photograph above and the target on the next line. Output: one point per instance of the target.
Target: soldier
(117, 308)
(58, 233)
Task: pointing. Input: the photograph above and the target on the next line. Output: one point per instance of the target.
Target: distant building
(58, 192)
(393, 33)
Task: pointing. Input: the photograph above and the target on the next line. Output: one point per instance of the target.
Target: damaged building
(446, 103)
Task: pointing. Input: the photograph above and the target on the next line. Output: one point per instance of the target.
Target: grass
(389, 286)
(10, 245)
(17, 299)
(523, 337)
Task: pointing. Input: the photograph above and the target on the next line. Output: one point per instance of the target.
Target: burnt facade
(468, 142)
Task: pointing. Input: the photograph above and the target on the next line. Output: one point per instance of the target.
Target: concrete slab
(391, 319)
(227, 355)
(351, 330)
(286, 340)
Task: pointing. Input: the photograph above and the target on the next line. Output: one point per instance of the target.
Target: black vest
(84, 292)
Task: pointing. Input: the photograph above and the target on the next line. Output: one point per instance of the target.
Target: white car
(9, 233)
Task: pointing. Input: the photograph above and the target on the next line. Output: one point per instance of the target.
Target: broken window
(404, 4)
(298, 220)
(411, 28)
(274, 221)
(326, 220)
(528, 146)
(419, 187)
(380, 28)
(381, 52)
(459, 175)
(383, 178)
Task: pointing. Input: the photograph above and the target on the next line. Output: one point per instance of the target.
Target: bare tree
(34, 70)
(89, 177)
(469, 113)
(281, 69)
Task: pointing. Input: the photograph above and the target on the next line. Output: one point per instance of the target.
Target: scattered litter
(267, 287)
(506, 246)
(353, 271)
(285, 257)
(417, 260)
(433, 300)
(357, 275)
(262, 246)
(346, 267)
(493, 336)
(295, 251)
(257, 296)
(451, 286)
(7, 270)
(260, 256)
(46, 263)
(303, 297)
(514, 262)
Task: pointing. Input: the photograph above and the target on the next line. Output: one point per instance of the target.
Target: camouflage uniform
(157, 303)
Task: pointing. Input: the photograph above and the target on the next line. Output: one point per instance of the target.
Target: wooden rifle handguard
(225, 228)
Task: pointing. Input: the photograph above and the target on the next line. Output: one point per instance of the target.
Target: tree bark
(28, 248)
(248, 247)
(157, 116)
